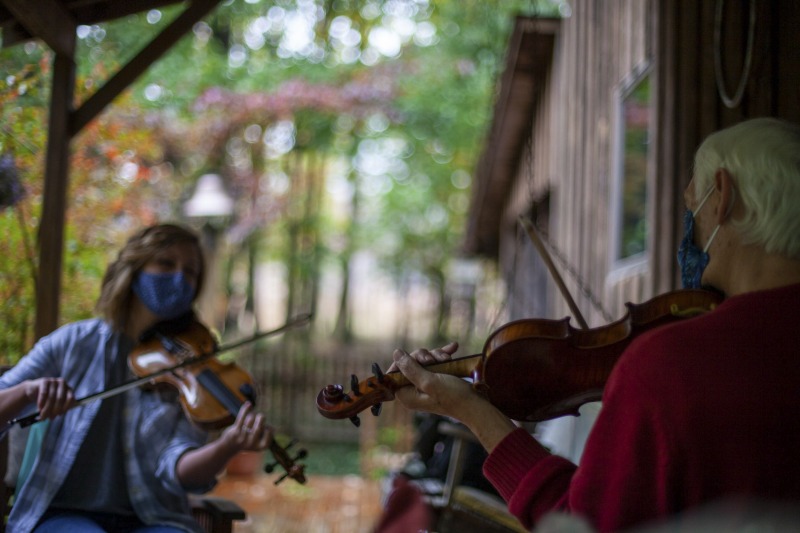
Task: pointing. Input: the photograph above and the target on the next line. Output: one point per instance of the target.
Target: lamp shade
(209, 199)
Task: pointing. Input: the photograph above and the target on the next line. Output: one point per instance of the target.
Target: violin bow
(293, 323)
(32, 418)
(548, 261)
(333, 402)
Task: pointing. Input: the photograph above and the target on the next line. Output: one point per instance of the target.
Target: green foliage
(281, 122)
(113, 188)
(332, 459)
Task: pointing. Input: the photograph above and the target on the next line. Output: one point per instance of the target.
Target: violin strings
(567, 267)
(554, 251)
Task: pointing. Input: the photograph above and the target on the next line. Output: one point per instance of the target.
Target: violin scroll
(333, 402)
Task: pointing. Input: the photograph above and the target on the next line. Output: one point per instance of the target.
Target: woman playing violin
(700, 411)
(126, 462)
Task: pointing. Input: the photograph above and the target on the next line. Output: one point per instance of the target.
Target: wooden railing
(290, 375)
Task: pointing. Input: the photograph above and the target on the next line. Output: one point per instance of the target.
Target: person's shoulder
(668, 337)
(87, 324)
(663, 350)
(81, 328)
(758, 301)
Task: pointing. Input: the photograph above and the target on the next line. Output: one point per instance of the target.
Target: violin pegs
(301, 454)
(333, 393)
(354, 385)
(281, 478)
(269, 468)
(376, 369)
(376, 409)
(355, 420)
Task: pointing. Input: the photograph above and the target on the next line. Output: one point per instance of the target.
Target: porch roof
(55, 22)
(529, 57)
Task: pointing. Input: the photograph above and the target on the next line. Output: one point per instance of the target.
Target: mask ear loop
(703, 201)
(727, 213)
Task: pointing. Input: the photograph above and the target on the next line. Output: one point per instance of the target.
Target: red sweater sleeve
(528, 477)
(622, 467)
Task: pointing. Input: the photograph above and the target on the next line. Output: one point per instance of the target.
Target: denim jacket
(157, 432)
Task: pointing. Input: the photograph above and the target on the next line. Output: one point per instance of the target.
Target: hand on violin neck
(451, 396)
(248, 432)
(199, 467)
(432, 392)
(427, 357)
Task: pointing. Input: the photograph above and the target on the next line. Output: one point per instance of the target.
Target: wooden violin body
(211, 391)
(534, 369)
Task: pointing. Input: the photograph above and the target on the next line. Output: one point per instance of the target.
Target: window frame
(636, 262)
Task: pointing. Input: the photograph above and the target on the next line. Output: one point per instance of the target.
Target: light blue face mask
(167, 295)
(692, 259)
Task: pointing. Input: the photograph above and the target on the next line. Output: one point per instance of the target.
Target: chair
(215, 515)
(465, 509)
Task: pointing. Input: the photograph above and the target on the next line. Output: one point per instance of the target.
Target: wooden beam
(529, 56)
(95, 11)
(140, 63)
(64, 124)
(47, 20)
(13, 33)
(51, 227)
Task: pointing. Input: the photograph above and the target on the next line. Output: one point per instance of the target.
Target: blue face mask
(691, 258)
(165, 295)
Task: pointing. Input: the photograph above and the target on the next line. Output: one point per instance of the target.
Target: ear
(723, 182)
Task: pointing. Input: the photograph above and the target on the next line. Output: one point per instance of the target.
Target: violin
(181, 354)
(211, 392)
(532, 369)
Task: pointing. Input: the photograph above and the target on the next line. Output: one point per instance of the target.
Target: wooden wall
(566, 169)
(690, 105)
(567, 166)
(565, 174)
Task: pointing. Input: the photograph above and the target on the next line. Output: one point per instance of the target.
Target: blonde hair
(763, 157)
(114, 303)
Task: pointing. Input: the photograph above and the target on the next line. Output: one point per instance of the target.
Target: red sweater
(697, 411)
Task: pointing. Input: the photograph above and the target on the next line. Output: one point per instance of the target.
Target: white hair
(763, 157)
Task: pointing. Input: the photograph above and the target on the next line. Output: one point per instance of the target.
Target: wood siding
(568, 163)
(565, 171)
(690, 106)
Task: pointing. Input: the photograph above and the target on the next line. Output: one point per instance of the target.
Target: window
(632, 153)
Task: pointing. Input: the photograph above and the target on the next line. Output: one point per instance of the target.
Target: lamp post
(211, 207)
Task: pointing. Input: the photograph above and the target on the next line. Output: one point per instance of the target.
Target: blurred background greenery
(344, 132)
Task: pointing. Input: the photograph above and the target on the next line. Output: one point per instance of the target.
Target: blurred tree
(387, 100)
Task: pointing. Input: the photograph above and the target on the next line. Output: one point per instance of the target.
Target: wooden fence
(291, 372)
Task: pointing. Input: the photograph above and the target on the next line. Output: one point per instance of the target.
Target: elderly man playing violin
(126, 462)
(699, 411)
